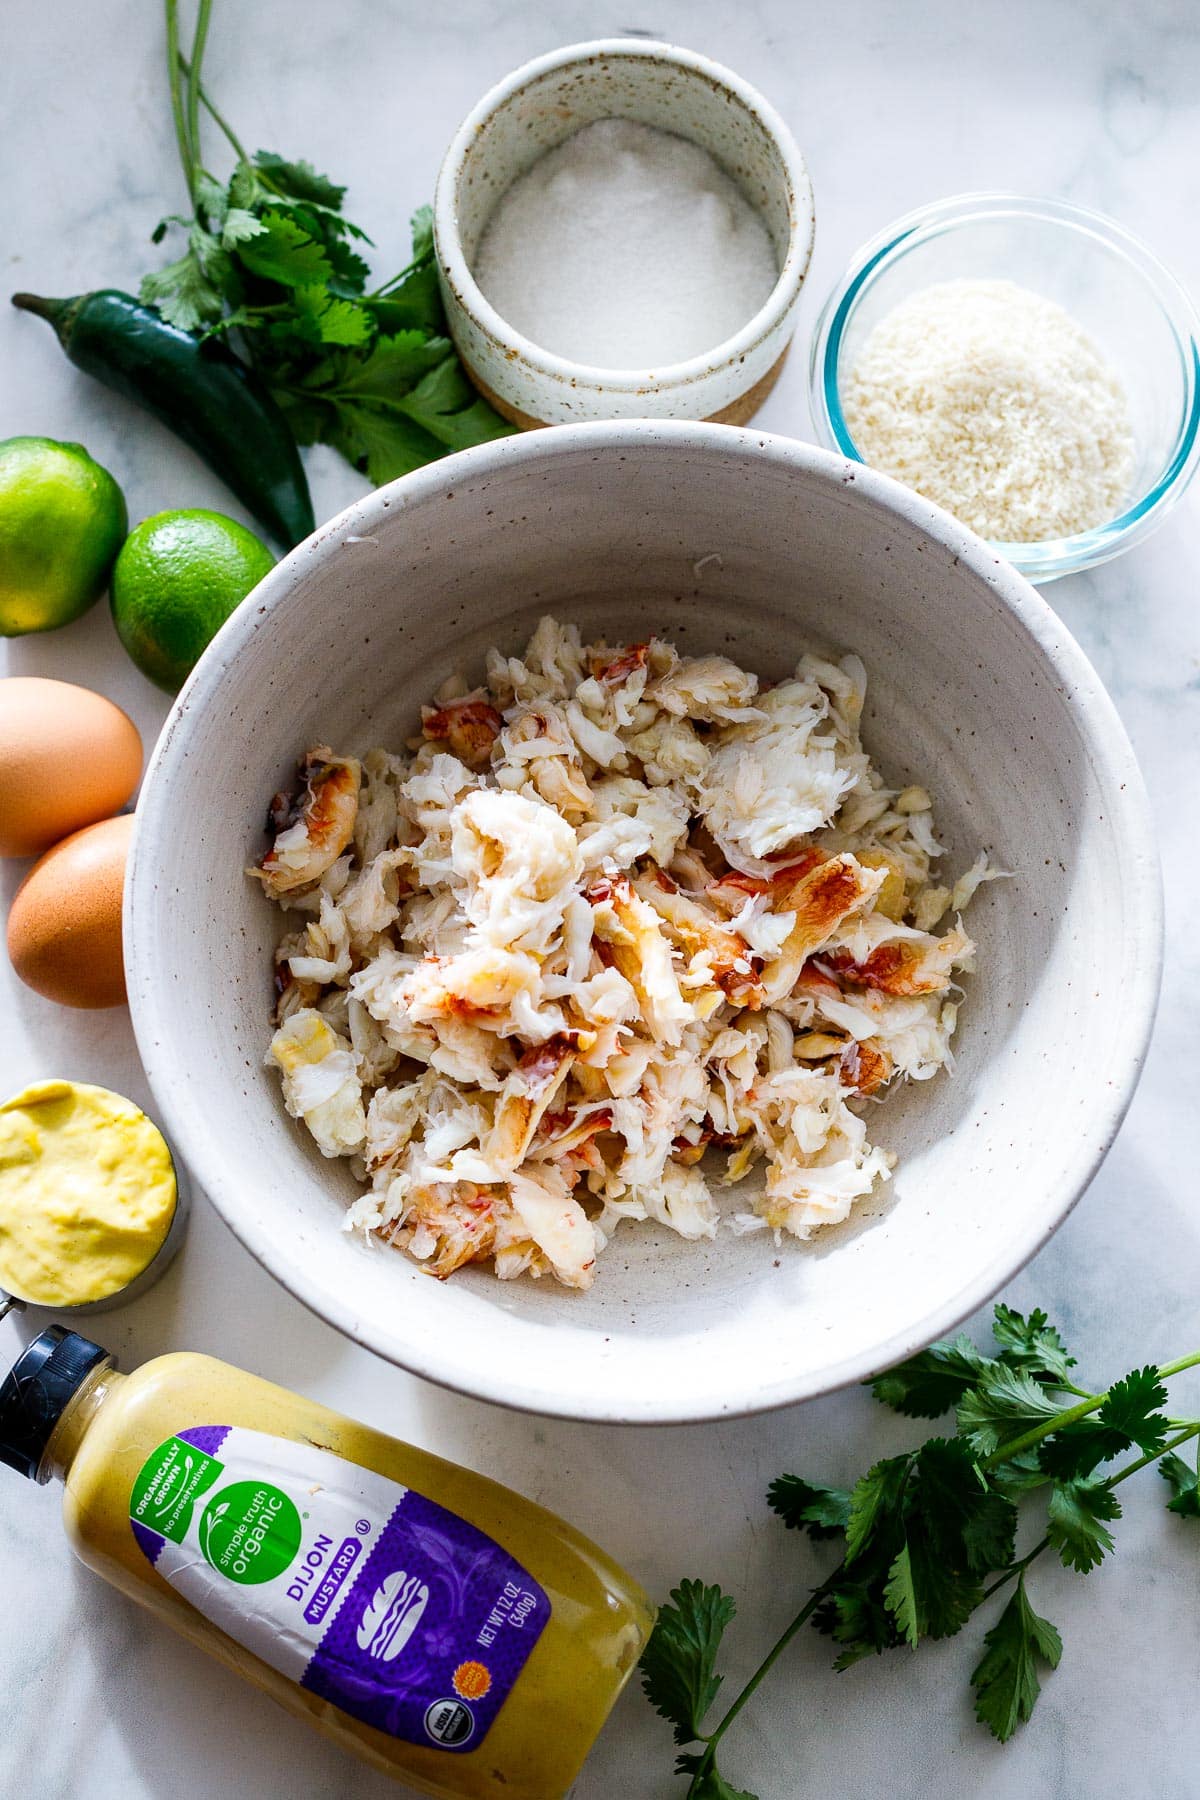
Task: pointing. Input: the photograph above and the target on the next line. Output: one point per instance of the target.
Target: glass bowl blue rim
(1051, 557)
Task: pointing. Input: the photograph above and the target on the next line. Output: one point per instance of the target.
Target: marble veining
(893, 106)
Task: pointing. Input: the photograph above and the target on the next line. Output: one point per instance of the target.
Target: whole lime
(62, 519)
(177, 579)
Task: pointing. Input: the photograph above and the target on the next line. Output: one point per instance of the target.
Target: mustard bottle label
(395, 1610)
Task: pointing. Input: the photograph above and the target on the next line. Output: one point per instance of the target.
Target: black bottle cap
(35, 1393)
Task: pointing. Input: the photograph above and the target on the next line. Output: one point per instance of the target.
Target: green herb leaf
(1184, 1484)
(421, 226)
(1131, 1410)
(299, 180)
(245, 188)
(947, 1593)
(970, 1527)
(875, 1502)
(1020, 1474)
(1128, 1417)
(1031, 1343)
(311, 421)
(1079, 1448)
(394, 367)
(383, 444)
(445, 405)
(415, 303)
(413, 299)
(321, 222)
(900, 1596)
(210, 253)
(925, 1596)
(1006, 1404)
(707, 1782)
(319, 318)
(821, 1511)
(678, 1661)
(1006, 1677)
(239, 227)
(1075, 1526)
(857, 1618)
(211, 199)
(284, 252)
(931, 1382)
(953, 1528)
(350, 272)
(183, 293)
(164, 225)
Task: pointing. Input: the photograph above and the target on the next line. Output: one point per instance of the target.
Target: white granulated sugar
(995, 403)
(626, 248)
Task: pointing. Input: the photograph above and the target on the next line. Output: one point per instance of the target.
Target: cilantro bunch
(271, 259)
(930, 1536)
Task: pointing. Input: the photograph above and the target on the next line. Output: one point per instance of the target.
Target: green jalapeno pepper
(200, 391)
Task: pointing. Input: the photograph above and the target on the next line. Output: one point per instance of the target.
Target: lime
(62, 518)
(177, 579)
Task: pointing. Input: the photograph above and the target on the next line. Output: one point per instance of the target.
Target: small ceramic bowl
(536, 108)
(153, 1272)
(1130, 305)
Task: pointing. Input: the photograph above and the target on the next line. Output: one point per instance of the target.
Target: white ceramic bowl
(719, 539)
(532, 111)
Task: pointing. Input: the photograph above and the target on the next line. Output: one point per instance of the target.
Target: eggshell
(67, 758)
(64, 929)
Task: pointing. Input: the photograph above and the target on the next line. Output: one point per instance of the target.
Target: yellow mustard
(87, 1193)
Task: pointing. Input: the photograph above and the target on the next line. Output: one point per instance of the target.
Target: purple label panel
(437, 1627)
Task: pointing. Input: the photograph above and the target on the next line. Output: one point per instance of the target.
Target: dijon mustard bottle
(428, 1620)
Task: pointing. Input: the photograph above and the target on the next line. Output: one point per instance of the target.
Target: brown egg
(64, 929)
(67, 758)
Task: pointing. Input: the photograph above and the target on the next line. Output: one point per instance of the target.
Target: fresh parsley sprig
(270, 259)
(929, 1536)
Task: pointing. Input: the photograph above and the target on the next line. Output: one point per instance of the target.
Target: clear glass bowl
(1135, 311)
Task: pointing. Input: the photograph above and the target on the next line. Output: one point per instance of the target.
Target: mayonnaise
(87, 1193)
(437, 1625)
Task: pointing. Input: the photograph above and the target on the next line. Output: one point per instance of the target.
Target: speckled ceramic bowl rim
(1105, 739)
(559, 368)
(1049, 558)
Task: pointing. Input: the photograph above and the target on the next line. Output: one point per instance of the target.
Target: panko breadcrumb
(615, 913)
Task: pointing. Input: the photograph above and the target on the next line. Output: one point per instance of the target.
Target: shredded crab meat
(620, 930)
(312, 826)
(469, 726)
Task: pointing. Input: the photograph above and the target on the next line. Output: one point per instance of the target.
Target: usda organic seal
(449, 1722)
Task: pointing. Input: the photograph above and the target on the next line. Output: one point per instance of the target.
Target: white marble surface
(894, 105)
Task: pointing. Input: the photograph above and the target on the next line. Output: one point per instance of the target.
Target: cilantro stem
(193, 87)
(1153, 1456)
(181, 136)
(219, 120)
(764, 1668)
(275, 310)
(1028, 1439)
(381, 293)
(1142, 1462)
(1017, 1568)
(386, 287)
